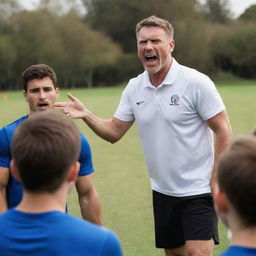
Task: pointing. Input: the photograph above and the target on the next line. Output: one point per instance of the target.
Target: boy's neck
(245, 237)
(43, 202)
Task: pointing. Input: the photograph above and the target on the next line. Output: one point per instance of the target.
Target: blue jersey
(14, 187)
(239, 251)
(54, 233)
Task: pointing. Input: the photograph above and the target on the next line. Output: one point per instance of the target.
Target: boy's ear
(220, 200)
(221, 204)
(73, 172)
(14, 170)
(25, 95)
(57, 90)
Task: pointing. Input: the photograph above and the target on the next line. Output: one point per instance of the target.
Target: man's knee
(180, 251)
(199, 248)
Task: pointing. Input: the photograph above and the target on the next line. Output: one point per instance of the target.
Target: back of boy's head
(43, 148)
(237, 177)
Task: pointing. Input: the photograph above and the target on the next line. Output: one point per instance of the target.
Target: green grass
(121, 176)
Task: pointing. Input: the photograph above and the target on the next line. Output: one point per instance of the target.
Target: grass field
(121, 176)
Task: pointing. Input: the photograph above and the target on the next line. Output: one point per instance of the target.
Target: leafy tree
(192, 41)
(85, 49)
(7, 57)
(83, 52)
(235, 50)
(65, 42)
(118, 18)
(216, 11)
(193, 46)
(249, 14)
(7, 7)
(61, 7)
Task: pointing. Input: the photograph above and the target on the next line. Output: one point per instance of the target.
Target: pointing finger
(60, 104)
(73, 98)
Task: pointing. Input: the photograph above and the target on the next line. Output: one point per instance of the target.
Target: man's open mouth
(150, 58)
(43, 104)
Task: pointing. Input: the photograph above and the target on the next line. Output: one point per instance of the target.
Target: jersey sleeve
(208, 100)
(124, 111)
(112, 245)
(85, 158)
(5, 152)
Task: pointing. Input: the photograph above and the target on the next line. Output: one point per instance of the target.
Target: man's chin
(152, 70)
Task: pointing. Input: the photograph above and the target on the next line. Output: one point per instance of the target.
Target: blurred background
(91, 43)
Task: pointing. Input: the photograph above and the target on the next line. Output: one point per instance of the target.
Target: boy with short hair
(235, 196)
(45, 149)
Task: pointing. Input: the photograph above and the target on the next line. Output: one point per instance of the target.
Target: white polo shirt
(177, 142)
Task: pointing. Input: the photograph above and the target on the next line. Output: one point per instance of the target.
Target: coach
(176, 109)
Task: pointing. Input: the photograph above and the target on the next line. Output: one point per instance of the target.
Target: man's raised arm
(110, 130)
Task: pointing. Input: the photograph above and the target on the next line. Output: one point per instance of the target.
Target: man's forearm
(4, 177)
(221, 127)
(222, 141)
(3, 203)
(102, 127)
(111, 130)
(90, 209)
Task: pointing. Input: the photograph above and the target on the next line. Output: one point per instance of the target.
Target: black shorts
(178, 219)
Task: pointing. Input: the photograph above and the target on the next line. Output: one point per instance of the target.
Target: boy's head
(40, 91)
(38, 71)
(44, 148)
(237, 181)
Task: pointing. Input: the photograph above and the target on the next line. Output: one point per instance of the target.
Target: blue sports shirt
(54, 233)
(239, 251)
(14, 187)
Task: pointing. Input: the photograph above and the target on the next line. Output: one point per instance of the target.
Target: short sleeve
(85, 158)
(208, 100)
(5, 152)
(112, 245)
(124, 111)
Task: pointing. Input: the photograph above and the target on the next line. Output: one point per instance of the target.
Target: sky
(29, 4)
(237, 7)
(32, 4)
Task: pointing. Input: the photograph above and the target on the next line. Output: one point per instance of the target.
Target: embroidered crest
(174, 100)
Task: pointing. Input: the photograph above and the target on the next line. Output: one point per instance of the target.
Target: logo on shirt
(174, 100)
(140, 102)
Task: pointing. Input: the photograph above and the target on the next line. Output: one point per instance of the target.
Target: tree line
(98, 47)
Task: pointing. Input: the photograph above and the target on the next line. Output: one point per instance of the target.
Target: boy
(45, 149)
(235, 196)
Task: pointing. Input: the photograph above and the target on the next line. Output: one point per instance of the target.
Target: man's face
(154, 48)
(41, 94)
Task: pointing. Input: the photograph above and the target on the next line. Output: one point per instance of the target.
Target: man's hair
(38, 71)
(156, 22)
(237, 177)
(43, 148)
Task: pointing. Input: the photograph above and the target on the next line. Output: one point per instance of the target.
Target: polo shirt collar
(169, 79)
